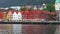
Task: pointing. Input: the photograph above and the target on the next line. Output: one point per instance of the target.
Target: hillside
(7, 3)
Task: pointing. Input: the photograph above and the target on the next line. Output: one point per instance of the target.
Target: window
(18, 18)
(10, 15)
(14, 17)
(59, 8)
(14, 20)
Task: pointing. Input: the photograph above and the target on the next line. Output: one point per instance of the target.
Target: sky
(7, 3)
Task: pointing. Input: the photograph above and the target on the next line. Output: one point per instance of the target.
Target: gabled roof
(12, 11)
(37, 11)
(46, 12)
(19, 13)
(23, 12)
(54, 13)
(44, 16)
(1, 15)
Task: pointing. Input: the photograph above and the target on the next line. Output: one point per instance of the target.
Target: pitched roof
(37, 11)
(1, 15)
(46, 12)
(54, 13)
(19, 12)
(44, 16)
(12, 11)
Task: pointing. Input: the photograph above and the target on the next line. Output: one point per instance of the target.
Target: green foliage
(50, 7)
(10, 9)
(23, 9)
(30, 9)
(45, 9)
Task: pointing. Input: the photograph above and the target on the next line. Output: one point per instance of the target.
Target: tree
(10, 8)
(50, 7)
(23, 9)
